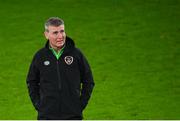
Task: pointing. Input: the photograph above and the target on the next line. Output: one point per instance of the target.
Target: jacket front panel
(49, 92)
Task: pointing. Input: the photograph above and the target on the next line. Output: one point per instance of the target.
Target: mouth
(59, 40)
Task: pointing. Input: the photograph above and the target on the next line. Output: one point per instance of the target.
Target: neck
(57, 49)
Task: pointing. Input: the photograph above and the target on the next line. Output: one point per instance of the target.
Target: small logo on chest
(46, 63)
(68, 60)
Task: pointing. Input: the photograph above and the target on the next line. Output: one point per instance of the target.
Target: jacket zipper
(58, 73)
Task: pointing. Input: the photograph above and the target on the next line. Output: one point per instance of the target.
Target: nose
(60, 35)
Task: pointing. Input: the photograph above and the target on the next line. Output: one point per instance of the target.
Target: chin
(60, 45)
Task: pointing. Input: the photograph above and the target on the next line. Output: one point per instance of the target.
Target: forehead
(56, 28)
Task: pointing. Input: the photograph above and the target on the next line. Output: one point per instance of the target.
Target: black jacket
(60, 89)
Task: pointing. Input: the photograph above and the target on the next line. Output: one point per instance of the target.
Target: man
(60, 80)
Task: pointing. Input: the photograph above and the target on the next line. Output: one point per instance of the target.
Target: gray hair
(53, 21)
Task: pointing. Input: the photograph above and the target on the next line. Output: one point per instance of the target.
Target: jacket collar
(69, 44)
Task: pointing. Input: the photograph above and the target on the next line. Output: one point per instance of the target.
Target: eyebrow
(57, 31)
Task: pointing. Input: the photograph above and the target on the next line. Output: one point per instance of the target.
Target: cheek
(52, 39)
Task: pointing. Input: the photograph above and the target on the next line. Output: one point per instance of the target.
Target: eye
(56, 32)
(61, 31)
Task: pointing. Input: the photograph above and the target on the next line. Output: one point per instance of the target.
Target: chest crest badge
(68, 60)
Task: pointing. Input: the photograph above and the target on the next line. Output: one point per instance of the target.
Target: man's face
(56, 36)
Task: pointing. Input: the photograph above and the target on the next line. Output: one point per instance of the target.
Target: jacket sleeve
(87, 82)
(33, 83)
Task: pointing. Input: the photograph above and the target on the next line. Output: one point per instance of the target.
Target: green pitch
(132, 47)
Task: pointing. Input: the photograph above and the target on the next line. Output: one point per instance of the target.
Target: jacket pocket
(48, 105)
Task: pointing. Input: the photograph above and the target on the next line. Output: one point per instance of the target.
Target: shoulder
(39, 53)
(80, 55)
(78, 52)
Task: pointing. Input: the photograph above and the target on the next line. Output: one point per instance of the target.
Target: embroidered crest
(68, 60)
(46, 63)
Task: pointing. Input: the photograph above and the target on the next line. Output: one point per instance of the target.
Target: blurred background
(131, 45)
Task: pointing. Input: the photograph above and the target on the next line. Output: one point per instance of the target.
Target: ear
(46, 34)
